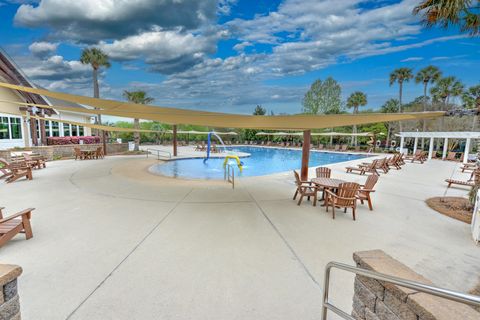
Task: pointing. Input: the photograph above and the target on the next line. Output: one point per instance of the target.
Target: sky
(231, 55)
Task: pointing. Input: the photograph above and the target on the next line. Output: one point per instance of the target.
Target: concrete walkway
(112, 241)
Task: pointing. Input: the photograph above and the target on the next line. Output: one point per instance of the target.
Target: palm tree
(451, 12)
(139, 97)
(391, 106)
(427, 75)
(97, 59)
(444, 89)
(471, 100)
(356, 99)
(400, 76)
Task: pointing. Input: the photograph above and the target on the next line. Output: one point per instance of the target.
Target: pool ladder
(229, 174)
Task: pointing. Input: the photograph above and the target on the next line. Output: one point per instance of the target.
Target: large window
(16, 128)
(55, 129)
(81, 131)
(47, 128)
(10, 128)
(4, 131)
(74, 130)
(66, 130)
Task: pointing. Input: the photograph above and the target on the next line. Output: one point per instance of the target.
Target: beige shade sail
(94, 126)
(202, 132)
(221, 120)
(362, 134)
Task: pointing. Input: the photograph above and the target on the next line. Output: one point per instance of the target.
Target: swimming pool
(262, 161)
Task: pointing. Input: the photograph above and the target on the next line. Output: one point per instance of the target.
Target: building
(19, 130)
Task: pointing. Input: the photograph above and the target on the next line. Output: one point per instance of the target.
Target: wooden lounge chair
(469, 167)
(381, 164)
(320, 146)
(473, 181)
(394, 161)
(364, 168)
(305, 189)
(337, 147)
(451, 156)
(16, 170)
(419, 156)
(78, 153)
(323, 172)
(14, 224)
(36, 162)
(344, 147)
(345, 197)
(99, 153)
(363, 193)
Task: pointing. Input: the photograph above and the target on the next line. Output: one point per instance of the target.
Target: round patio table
(327, 183)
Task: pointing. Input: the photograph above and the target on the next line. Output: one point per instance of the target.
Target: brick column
(9, 300)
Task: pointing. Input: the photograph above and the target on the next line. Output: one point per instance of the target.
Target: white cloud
(42, 49)
(412, 59)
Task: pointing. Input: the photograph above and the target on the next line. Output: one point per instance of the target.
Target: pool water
(262, 161)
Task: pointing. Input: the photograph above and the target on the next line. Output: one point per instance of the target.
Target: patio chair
(469, 167)
(364, 168)
(344, 147)
(15, 170)
(393, 162)
(345, 197)
(305, 189)
(323, 172)
(320, 146)
(419, 156)
(37, 162)
(337, 147)
(473, 181)
(78, 153)
(381, 164)
(451, 156)
(363, 193)
(99, 153)
(14, 224)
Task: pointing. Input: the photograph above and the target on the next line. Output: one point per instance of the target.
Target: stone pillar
(430, 149)
(445, 149)
(9, 300)
(467, 150)
(415, 143)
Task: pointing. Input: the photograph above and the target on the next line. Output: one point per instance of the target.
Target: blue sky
(230, 55)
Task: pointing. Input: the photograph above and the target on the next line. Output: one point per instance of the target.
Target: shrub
(55, 141)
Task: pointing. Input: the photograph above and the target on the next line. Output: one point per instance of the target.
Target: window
(81, 131)
(47, 128)
(66, 129)
(16, 128)
(74, 130)
(4, 132)
(55, 129)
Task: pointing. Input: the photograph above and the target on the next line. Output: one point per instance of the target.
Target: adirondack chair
(305, 189)
(99, 153)
(323, 172)
(345, 197)
(451, 156)
(363, 193)
(337, 147)
(37, 162)
(14, 224)
(344, 147)
(15, 170)
(364, 168)
(469, 167)
(473, 181)
(78, 153)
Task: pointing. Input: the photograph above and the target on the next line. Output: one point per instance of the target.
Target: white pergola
(468, 136)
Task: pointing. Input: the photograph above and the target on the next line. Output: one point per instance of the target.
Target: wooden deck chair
(451, 156)
(364, 168)
(37, 163)
(99, 153)
(14, 224)
(345, 197)
(323, 172)
(469, 167)
(344, 147)
(78, 153)
(337, 147)
(305, 189)
(364, 191)
(320, 146)
(16, 170)
(393, 162)
(473, 181)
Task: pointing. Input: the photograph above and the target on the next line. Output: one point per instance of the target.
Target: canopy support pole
(445, 149)
(174, 140)
(402, 144)
(415, 144)
(305, 154)
(104, 136)
(430, 149)
(467, 150)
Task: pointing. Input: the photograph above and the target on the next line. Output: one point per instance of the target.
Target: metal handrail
(158, 153)
(229, 174)
(439, 292)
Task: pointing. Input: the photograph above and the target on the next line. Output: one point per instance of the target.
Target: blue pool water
(262, 161)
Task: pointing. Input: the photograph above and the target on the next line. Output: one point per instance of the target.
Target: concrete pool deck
(112, 241)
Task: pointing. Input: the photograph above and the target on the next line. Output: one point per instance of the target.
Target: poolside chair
(380, 164)
(16, 170)
(364, 191)
(320, 146)
(468, 167)
(99, 153)
(345, 197)
(337, 147)
(357, 149)
(14, 224)
(344, 147)
(305, 189)
(473, 181)
(323, 172)
(419, 156)
(394, 161)
(364, 168)
(36, 162)
(78, 153)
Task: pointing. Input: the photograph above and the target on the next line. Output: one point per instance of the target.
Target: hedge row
(52, 141)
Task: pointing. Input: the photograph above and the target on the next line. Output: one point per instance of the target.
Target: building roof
(439, 134)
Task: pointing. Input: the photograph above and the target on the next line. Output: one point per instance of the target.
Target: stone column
(467, 150)
(445, 149)
(430, 149)
(9, 300)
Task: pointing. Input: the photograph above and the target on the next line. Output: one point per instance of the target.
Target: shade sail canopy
(95, 126)
(202, 132)
(220, 120)
(362, 134)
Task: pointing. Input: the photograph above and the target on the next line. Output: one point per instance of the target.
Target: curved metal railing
(166, 154)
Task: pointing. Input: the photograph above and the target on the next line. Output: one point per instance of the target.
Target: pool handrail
(157, 151)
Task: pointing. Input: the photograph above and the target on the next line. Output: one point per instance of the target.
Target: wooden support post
(305, 154)
(104, 139)
(33, 131)
(174, 140)
(43, 133)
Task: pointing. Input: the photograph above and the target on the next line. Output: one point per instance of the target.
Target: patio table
(327, 184)
(87, 154)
